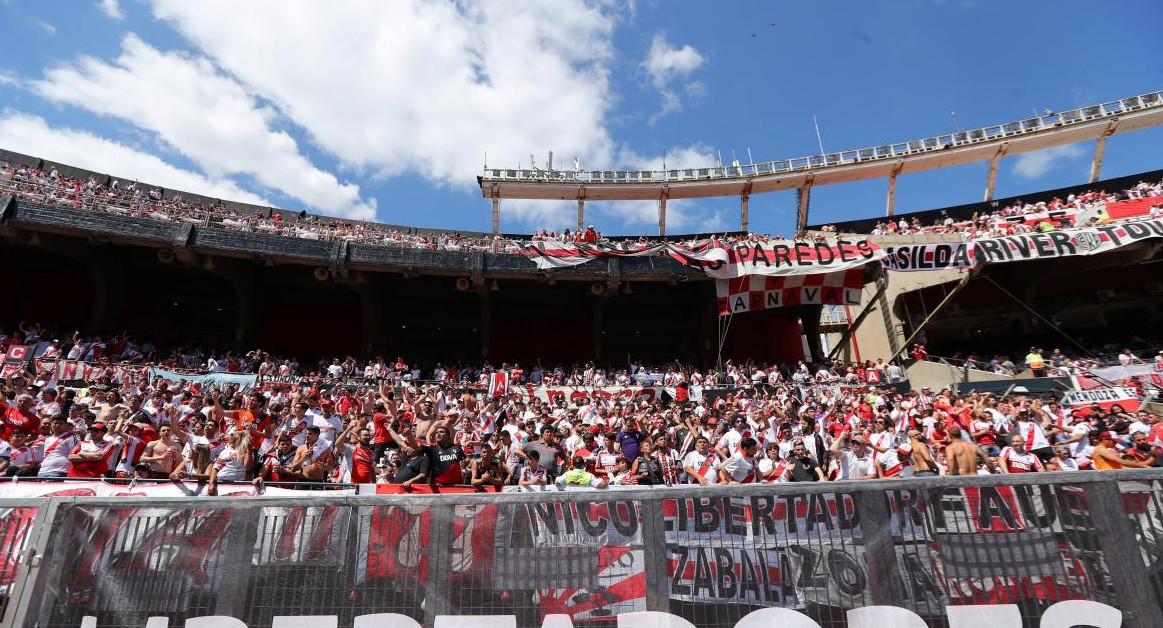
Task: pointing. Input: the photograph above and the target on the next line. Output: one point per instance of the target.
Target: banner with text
(759, 257)
(916, 257)
(759, 292)
(1065, 243)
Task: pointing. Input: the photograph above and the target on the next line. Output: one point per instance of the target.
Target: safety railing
(889, 152)
(1009, 549)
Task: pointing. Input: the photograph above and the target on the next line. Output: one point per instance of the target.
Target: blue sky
(386, 110)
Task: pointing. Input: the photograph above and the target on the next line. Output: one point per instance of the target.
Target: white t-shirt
(230, 465)
(1078, 449)
(707, 465)
(1023, 462)
(852, 466)
(740, 467)
(1033, 433)
(56, 453)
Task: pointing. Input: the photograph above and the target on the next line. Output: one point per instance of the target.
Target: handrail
(885, 152)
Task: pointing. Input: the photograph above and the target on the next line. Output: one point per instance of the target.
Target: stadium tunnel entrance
(1094, 301)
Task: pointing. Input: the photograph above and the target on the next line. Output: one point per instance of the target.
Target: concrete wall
(879, 334)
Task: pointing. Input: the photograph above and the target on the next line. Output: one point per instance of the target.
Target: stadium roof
(1031, 134)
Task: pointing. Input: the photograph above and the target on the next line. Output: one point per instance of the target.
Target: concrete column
(1096, 163)
(486, 326)
(1100, 150)
(991, 178)
(803, 200)
(810, 322)
(581, 213)
(744, 201)
(662, 212)
(598, 318)
(496, 214)
(373, 292)
(890, 205)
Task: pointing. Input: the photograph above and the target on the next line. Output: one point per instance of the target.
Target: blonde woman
(233, 463)
(196, 466)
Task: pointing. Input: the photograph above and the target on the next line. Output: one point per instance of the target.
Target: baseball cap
(857, 439)
(1106, 435)
(100, 426)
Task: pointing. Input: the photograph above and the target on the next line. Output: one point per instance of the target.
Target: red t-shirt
(380, 428)
(91, 468)
(363, 465)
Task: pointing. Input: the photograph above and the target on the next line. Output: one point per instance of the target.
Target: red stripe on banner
(756, 292)
(1132, 208)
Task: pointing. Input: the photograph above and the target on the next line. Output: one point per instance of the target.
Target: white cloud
(203, 115)
(111, 8)
(8, 78)
(669, 66)
(1033, 165)
(31, 135)
(421, 87)
(666, 63)
(45, 26)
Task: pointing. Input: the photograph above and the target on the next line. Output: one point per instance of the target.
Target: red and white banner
(550, 254)
(779, 257)
(1126, 398)
(758, 292)
(18, 353)
(768, 257)
(66, 369)
(498, 383)
(583, 395)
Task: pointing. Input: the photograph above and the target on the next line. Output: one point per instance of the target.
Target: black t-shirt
(410, 469)
(803, 470)
(444, 463)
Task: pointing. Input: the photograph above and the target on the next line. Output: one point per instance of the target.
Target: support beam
(803, 199)
(937, 310)
(890, 205)
(810, 323)
(1099, 150)
(744, 201)
(662, 211)
(486, 324)
(992, 177)
(581, 212)
(496, 210)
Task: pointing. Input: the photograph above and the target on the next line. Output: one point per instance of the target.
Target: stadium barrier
(1055, 550)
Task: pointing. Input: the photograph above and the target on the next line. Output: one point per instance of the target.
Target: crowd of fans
(387, 422)
(1057, 363)
(139, 201)
(1076, 210)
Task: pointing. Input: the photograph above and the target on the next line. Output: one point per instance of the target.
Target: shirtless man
(313, 459)
(961, 456)
(922, 456)
(162, 455)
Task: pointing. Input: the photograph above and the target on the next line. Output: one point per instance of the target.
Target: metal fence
(831, 552)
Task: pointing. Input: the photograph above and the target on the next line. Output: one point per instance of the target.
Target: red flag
(498, 383)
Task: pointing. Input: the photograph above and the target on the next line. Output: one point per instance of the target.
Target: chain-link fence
(709, 556)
